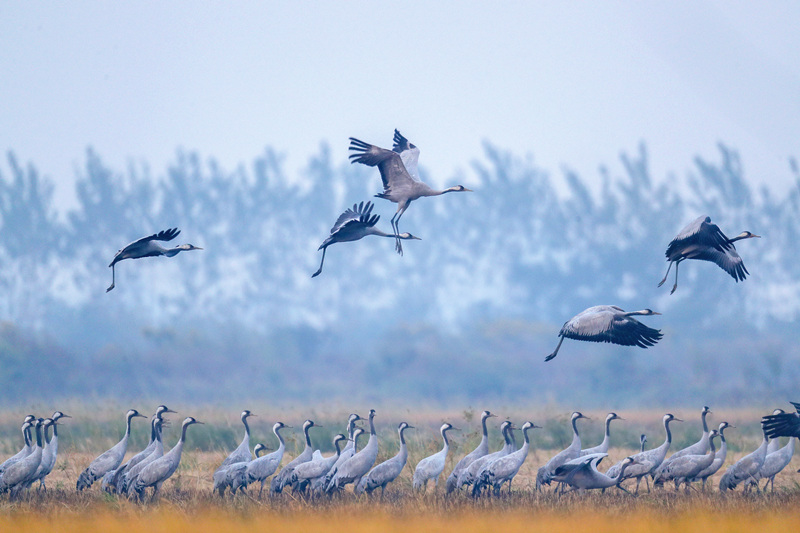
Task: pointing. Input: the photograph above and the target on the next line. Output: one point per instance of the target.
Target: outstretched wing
(728, 260)
(393, 173)
(782, 425)
(165, 235)
(702, 233)
(359, 213)
(408, 153)
(608, 324)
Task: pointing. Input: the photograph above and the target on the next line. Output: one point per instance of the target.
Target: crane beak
(677, 420)
(318, 426)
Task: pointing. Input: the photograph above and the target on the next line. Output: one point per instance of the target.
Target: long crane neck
(27, 435)
(705, 424)
(38, 435)
(55, 430)
(281, 443)
(46, 438)
(306, 429)
(576, 438)
(371, 425)
(444, 438)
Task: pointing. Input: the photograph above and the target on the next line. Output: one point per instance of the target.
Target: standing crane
(745, 469)
(431, 467)
(545, 473)
(284, 477)
(149, 247)
(240, 455)
(126, 484)
(505, 468)
(719, 457)
(387, 471)
(705, 241)
(645, 463)
(27, 447)
(14, 477)
(353, 469)
(114, 484)
(355, 224)
(154, 474)
(50, 451)
(775, 462)
(305, 472)
(603, 446)
(399, 186)
(260, 468)
(481, 450)
(110, 459)
(698, 448)
(348, 451)
(609, 323)
(684, 468)
(471, 473)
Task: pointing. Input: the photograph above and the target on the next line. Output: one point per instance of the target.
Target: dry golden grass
(187, 504)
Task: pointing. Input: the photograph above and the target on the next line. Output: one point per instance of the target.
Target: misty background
(466, 315)
(591, 134)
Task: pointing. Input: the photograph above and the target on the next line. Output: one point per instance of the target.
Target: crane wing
(728, 260)
(701, 232)
(359, 213)
(782, 425)
(165, 235)
(408, 153)
(390, 164)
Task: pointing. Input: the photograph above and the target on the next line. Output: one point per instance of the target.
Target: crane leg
(396, 229)
(113, 279)
(318, 272)
(665, 275)
(555, 352)
(676, 278)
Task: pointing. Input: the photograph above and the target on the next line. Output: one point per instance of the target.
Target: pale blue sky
(571, 83)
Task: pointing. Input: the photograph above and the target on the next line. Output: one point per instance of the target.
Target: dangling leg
(112, 279)
(555, 352)
(401, 208)
(677, 263)
(665, 275)
(317, 273)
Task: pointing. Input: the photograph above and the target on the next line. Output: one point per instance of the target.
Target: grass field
(187, 504)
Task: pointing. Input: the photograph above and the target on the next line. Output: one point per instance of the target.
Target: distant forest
(466, 315)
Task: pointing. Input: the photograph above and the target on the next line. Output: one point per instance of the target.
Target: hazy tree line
(468, 313)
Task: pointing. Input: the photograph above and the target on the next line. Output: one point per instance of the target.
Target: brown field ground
(186, 503)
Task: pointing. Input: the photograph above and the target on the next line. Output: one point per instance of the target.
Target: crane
(745, 469)
(15, 476)
(719, 457)
(110, 459)
(481, 450)
(27, 447)
(389, 470)
(609, 323)
(505, 468)
(114, 484)
(645, 463)
(260, 468)
(305, 472)
(154, 474)
(398, 185)
(545, 473)
(684, 468)
(125, 485)
(50, 451)
(284, 476)
(705, 241)
(603, 446)
(582, 473)
(149, 247)
(782, 425)
(359, 464)
(698, 448)
(240, 455)
(354, 224)
(432, 466)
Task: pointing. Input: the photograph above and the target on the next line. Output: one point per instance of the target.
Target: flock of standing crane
(312, 475)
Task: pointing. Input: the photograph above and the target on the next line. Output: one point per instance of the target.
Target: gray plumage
(603, 446)
(355, 224)
(431, 467)
(471, 473)
(645, 463)
(305, 472)
(359, 464)
(775, 462)
(545, 473)
(481, 450)
(398, 185)
(27, 446)
(15, 476)
(705, 241)
(110, 459)
(387, 471)
(745, 469)
(505, 468)
(698, 448)
(684, 468)
(719, 456)
(149, 247)
(128, 480)
(609, 323)
(154, 474)
(582, 474)
(261, 468)
(348, 451)
(50, 451)
(114, 484)
(284, 477)
(241, 454)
